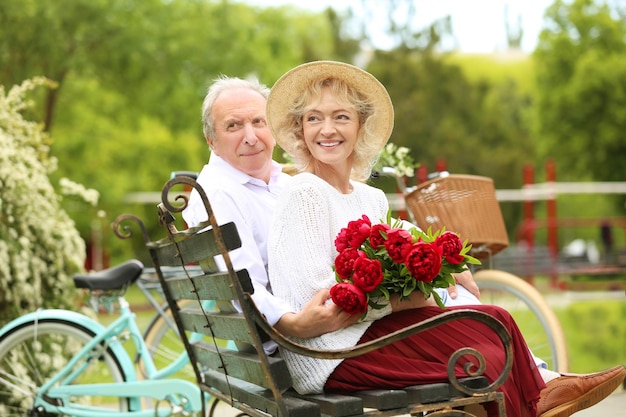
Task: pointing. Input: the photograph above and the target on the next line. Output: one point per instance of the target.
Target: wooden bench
(260, 385)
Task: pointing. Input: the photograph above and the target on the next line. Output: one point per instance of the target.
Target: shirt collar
(216, 163)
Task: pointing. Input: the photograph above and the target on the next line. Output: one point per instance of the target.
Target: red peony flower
(368, 273)
(354, 235)
(452, 247)
(349, 297)
(344, 262)
(424, 261)
(398, 244)
(377, 239)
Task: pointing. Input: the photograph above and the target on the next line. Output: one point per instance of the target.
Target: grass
(595, 332)
(594, 324)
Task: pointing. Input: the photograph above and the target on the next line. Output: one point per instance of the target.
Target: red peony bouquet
(379, 260)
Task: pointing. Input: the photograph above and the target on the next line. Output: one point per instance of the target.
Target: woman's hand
(316, 318)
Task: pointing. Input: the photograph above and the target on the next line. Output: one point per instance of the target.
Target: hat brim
(292, 84)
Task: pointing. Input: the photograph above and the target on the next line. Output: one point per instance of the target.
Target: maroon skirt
(423, 358)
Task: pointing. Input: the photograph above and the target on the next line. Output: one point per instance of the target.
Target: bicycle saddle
(114, 278)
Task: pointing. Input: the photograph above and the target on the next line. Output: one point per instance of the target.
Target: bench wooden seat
(259, 384)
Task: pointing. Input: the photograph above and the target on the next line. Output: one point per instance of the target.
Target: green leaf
(438, 299)
(409, 287)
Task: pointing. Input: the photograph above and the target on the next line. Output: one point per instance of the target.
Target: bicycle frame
(146, 285)
(181, 395)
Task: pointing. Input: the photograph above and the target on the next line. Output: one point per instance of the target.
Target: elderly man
(242, 182)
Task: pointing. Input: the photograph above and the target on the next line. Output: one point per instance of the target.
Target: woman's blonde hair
(366, 149)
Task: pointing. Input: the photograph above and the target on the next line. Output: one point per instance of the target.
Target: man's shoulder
(216, 177)
(220, 190)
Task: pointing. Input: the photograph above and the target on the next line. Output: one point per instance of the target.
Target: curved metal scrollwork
(125, 231)
(167, 206)
(182, 180)
(473, 369)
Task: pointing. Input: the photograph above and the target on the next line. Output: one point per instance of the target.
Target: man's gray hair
(221, 84)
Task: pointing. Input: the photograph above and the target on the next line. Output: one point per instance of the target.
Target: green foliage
(477, 128)
(581, 80)
(497, 69)
(119, 157)
(40, 248)
(132, 75)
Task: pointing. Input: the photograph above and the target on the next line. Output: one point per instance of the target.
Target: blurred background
(519, 91)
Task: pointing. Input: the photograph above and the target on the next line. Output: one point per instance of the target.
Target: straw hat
(292, 84)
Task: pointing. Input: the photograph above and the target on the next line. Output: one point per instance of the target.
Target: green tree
(477, 127)
(67, 43)
(40, 248)
(159, 55)
(581, 80)
(132, 75)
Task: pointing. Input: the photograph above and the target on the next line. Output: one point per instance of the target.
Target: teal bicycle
(59, 362)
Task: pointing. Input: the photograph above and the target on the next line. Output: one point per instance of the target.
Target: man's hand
(465, 279)
(316, 318)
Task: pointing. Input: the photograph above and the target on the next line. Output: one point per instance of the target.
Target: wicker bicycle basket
(465, 204)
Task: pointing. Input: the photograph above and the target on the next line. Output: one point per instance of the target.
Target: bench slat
(432, 393)
(384, 399)
(256, 396)
(196, 247)
(335, 404)
(223, 326)
(242, 365)
(217, 286)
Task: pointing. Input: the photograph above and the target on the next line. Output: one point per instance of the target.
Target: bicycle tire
(536, 319)
(165, 344)
(34, 351)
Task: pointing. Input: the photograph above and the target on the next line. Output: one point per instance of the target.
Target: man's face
(242, 137)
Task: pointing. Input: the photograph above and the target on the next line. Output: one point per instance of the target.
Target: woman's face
(330, 130)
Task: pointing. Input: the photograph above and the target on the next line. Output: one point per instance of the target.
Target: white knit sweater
(301, 251)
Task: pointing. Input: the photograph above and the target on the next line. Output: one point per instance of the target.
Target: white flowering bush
(71, 188)
(40, 248)
(398, 158)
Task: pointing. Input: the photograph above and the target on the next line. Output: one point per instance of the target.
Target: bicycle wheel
(35, 351)
(165, 344)
(533, 315)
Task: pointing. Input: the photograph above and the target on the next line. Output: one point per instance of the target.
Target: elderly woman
(333, 119)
